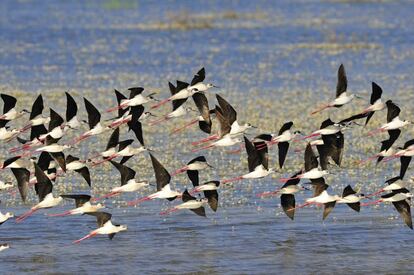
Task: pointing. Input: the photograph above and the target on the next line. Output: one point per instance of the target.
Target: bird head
(210, 85)
(9, 215)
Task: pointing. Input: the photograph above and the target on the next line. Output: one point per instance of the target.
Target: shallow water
(280, 57)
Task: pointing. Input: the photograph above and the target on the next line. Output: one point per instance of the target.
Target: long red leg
(117, 108)
(67, 213)
(267, 194)
(368, 159)
(204, 140)
(90, 235)
(25, 215)
(138, 201)
(375, 193)
(109, 195)
(184, 127)
(202, 148)
(179, 171)
(232, 180)
(371, 203)
(287, 179)
(169, 211)
(320, 109)
(301, 206)
(162, 102)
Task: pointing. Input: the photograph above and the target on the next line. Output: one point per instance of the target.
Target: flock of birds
(43, 154)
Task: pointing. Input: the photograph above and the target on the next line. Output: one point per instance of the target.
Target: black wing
(59, 157)
(319, 186)
(101, 217)
(126, 172)
(187, 197)
(225, 126)
(199, 77)
(22, 176)
(119, 98)
(201, 211)
(405, 212)
(348, 191)
(37, 131)
(358, 116)
(265, 137)
(55, 120)
(9, 102)
(405, 162)
(283, 150)
(263, 153)
(71, 107)
(162, 176)
(43, 186)
(286, 127)
(328, 209)
(394, 134)
(326, 123)
(311, 161)
(342, 83)
(393, 111)
(227, 110)
(193, 176)
(37, 107)
(125, 143)
(376, 93)
(293, 180)
(80, 199)
(201, 102)
(94, 116)
(178, 103)
(44, 161)
(113, 139)
(288, 204)
(181, 86)
(253, 157)
(212, 197)
(84, 171)
(134, 91)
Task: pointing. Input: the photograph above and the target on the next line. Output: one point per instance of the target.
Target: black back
(9, 102)
(392, 110)
(126, 172)
(286, 127)
(80, 199)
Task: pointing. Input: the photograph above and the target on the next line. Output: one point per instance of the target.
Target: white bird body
(108, 153)
(5, 217)
(87, 207)
(290, 189)
(4, 247)
(259, 172)
(109, 228)
(39, 120)
(237, 129)
(314, 173)
(206, 187)
(48, 202)
(316, 142)
(53, 148)
(398, 197)
(8, 135)
(183, 94)
(342, 99)
(165, 193)
(377, 106)
(350, 199)
(192, 204)
(330, 130)
(227, 140)
(180, 111)
(200, 87)
(135, 101)
(394, 186)
(5, 185)
(394, 124)
(75, 165)
(131, 151)
(130, 186)
(324, 197)
(197, 165)
(72, 124)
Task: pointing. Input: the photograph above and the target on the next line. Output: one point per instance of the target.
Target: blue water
(251, 49)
